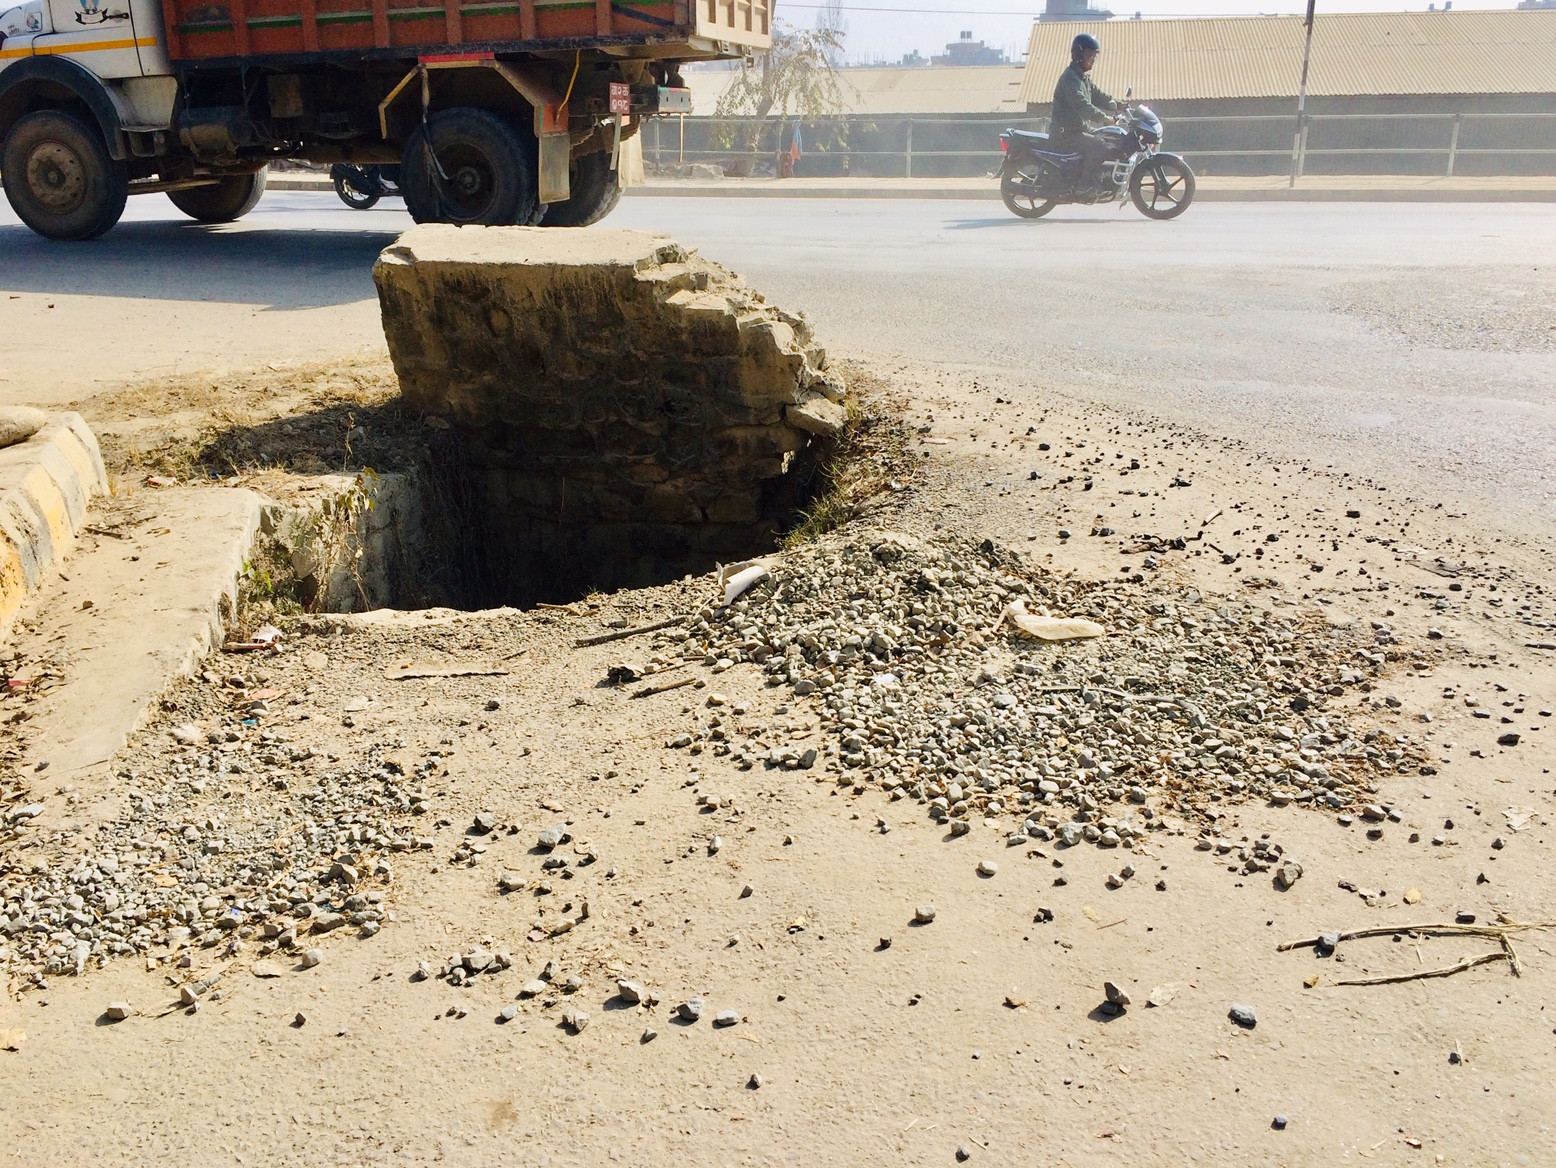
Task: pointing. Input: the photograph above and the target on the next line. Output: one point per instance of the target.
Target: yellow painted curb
(46, 486)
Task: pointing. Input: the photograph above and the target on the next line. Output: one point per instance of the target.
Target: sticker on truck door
(22, 21)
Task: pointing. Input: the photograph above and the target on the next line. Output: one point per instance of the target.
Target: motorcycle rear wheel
(1162, 188)
(1014, 189)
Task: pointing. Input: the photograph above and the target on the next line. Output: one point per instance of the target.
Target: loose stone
(630, 991)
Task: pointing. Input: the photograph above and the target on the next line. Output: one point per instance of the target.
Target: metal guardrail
(1299, 150)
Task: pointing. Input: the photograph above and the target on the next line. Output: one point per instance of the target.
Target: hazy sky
(889, 28)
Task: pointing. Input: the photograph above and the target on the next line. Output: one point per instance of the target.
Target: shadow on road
(276, 267)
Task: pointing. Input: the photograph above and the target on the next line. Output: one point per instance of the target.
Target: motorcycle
(1034, 179)
(360, 187)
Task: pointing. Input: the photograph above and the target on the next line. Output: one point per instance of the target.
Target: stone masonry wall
(629, 411)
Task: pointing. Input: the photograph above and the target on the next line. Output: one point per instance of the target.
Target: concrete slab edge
(46, 486)
(1234, 195)
(1335, 195)
(219, 605)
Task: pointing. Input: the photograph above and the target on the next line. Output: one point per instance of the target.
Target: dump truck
(496, 111)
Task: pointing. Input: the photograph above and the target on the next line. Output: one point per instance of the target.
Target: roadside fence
(1479, 143)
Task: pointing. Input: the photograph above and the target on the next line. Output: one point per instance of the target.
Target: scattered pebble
(1243, 1016)
(924, 914)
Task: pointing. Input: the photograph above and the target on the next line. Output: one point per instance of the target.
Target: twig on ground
(1423, 974)
(666, 687)
(622, 634)
(1502, 932)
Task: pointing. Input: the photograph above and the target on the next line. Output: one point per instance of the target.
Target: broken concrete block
(625, 411)
(819, 415)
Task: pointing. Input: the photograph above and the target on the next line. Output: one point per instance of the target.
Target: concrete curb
(46, 484)
(1203, 195)
(990, 190)
(161, 593)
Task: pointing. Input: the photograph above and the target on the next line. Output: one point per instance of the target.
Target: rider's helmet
(1084, 43)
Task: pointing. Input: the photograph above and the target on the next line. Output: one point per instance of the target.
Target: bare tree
(831, 18)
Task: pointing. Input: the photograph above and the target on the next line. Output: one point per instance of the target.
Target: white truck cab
(490, 113)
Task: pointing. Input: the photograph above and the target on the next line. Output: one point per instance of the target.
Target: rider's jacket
(1077, 102)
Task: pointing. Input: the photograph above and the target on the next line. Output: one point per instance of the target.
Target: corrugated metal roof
(1354, 54)
(925, 89)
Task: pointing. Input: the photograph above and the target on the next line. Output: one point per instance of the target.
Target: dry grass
(869, 456)
(335, 417)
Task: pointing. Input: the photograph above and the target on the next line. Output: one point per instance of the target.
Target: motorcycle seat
(1033, 134)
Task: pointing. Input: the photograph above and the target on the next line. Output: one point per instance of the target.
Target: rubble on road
(242, 834)
(1185, 703)
(243, 839)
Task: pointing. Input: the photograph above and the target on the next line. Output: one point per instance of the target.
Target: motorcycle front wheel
(1015, 189)
(1162, 188)
(346, 180)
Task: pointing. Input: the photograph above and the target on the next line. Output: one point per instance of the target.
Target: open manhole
(605, 409)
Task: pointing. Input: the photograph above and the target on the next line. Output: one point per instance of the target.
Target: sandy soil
(979, 1034)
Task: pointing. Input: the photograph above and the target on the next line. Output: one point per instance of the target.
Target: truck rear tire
(468, 166)
(594, 193)
(59, 177)
(224, 200)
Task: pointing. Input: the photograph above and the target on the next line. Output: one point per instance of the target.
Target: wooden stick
(622, 634)
(1512, 956)
(1496, 931)
(1421, 975)
(650, 690)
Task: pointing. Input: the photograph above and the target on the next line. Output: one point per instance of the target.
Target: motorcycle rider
(1080, 106)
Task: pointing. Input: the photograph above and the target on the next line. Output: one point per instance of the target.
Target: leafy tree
(796, 78)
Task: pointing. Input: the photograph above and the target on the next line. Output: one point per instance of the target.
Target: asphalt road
(1413, 342)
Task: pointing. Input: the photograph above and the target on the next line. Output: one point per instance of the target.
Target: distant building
(966, 51)
(914, 59)
(1536, 4)
(1073, 10)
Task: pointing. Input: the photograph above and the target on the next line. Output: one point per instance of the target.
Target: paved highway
(1414, 341)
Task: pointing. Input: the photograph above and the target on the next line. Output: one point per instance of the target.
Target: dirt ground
(978, 1036)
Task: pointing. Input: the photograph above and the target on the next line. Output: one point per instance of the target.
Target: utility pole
(1307, 55)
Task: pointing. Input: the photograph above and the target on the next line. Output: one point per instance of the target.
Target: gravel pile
(1185, 704)
(234, 837)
